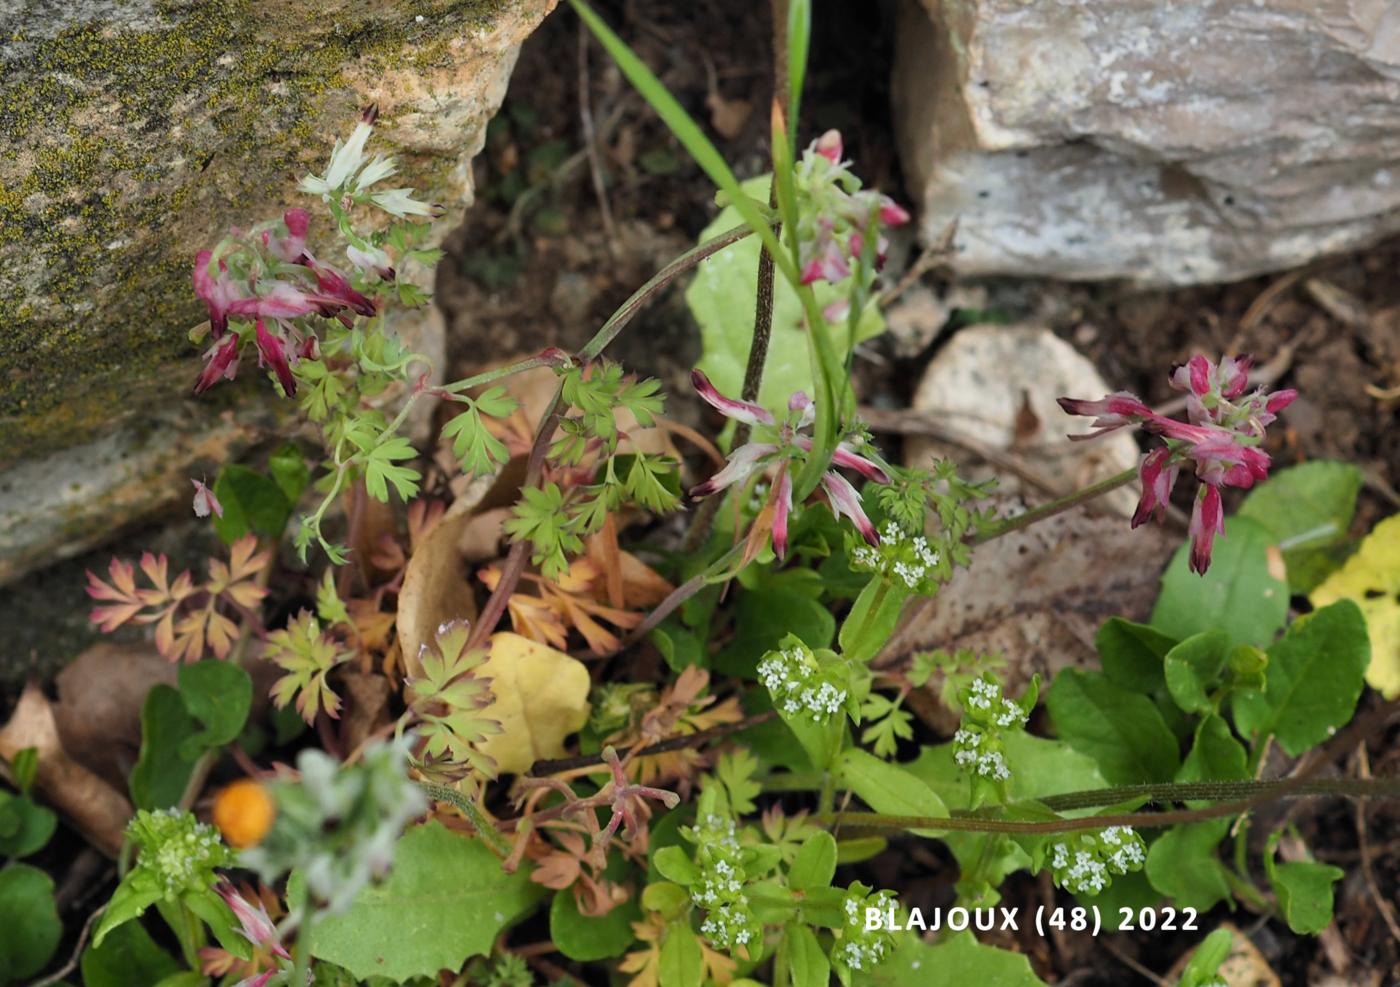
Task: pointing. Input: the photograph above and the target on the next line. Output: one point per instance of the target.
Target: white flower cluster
(1087, 866)
(729, 921)
(912, 560)
(180, 858)
(860, 948)
(795, 681)
(986, 699)
(970, 753)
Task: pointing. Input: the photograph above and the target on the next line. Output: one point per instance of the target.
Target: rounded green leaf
(587, 938)
(29, 920)
(1121, 730)
(127, 955)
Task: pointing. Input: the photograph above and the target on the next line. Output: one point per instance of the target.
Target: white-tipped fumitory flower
(781, 446)
(1221, 438)
(837, 213)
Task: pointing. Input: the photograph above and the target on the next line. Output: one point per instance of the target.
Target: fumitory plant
(692, 749)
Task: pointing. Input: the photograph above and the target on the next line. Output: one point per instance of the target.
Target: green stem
(487, 376)
(871, 614)
(1058, 506)
(489, 834)
(826, 801)
(682, 593)
(301, 950)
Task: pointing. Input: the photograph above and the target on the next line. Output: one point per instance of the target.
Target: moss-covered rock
(135, 132)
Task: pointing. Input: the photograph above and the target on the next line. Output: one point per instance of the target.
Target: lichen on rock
(135, 132)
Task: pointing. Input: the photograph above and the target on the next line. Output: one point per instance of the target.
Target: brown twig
(557, 765)
(1133, 964)
(931, 257)
(519, 553)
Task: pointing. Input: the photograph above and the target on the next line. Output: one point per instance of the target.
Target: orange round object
(244, 811)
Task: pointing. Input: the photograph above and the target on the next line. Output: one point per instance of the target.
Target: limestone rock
(997, 386)
(1166, 143)
(134, 133)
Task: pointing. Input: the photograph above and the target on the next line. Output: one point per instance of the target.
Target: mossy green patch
(128, 144)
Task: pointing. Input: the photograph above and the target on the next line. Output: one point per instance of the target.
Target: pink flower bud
(829, 146)
(272, 352)
(205, 501)
(218, 294)
(743, 411)
(781, 499)
(1207, 521)
(222, 362)
(891, 213)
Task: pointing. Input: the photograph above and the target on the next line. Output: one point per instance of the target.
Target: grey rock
(1164, 143)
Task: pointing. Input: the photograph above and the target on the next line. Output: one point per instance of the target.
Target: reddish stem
(519, 554)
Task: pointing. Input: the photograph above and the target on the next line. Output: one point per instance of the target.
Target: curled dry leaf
(435, 588)
(98, 712)
(541, 696)
(1245, 965)
(1038, 596)
(367, 707)
(96, 809)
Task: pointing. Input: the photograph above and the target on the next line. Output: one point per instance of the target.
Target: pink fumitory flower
(837, 213)
(781, 446)
(1221, 438)
(279, 293)
(205, 501)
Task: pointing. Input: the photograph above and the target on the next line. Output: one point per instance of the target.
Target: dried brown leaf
(95, 809)
(1039, 595)
(98, 712)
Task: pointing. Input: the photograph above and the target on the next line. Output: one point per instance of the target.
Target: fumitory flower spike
(837, 213)
(1221, 438)
(781, 447)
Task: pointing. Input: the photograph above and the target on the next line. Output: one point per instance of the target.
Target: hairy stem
(1217, 790)
(1260, 792)
(489, 834)
(1058, 506)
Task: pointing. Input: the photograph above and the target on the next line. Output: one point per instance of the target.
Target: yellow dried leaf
(541, 698)
(1371, 579)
